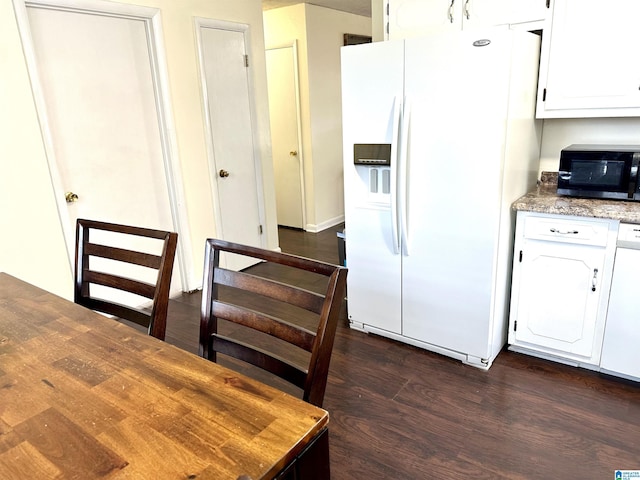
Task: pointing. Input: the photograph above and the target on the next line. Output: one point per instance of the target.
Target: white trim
(153, 23)
(199, 23)
(102, 7)
(296, 80)
(313, 228)
(173, 172)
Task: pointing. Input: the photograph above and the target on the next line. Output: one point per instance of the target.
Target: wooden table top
(84, 396)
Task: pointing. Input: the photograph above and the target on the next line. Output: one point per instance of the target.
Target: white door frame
(296, 87)
(151, 18)
(200, 22)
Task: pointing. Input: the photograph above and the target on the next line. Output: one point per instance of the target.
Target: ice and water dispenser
(377, 157)
(372, 162)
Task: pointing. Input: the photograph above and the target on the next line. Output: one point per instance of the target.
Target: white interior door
(100, 98)
(233, 156)
(285, 127)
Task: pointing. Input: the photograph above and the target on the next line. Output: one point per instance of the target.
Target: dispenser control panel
(373, 154)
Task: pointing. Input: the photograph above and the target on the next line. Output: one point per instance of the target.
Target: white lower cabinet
(560, 287)
(620, 351)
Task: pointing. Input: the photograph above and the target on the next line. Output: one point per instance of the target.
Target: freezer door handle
(397, 108)
(403, 176)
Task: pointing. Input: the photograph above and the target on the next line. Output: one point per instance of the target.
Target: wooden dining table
(84, 396)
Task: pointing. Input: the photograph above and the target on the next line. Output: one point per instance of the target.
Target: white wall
(378, 19)
(560, 133)
(319, 32)
(32, 244)
(325, 37)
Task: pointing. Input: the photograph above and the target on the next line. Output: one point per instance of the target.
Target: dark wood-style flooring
(398, 412)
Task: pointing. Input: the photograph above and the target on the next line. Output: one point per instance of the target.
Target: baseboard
(324, 225)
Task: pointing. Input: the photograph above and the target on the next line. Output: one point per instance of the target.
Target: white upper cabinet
(589, 64)
(411, 18)
(482, 13)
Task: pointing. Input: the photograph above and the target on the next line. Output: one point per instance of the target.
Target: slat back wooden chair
(273, 308)
(129, 259)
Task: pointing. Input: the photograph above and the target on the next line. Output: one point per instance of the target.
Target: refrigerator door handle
(397, 113)
(403, 176)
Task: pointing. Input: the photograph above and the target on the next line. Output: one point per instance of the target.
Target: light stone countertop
(544, 199)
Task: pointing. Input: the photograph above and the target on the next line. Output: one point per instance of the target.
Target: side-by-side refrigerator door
(456, 89)
(372, 95)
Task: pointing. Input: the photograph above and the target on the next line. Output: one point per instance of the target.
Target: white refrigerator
(439, 139)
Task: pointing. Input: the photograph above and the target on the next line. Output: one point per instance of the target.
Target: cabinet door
(620, 352)
(522, 11)
(412, 18)
(588, 67)
(558, 296)
(483, 13)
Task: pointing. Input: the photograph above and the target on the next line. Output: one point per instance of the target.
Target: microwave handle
(633, 174)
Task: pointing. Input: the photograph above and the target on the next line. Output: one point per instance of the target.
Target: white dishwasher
(621, 346)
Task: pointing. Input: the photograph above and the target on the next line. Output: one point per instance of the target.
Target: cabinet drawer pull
(466, 10)
(451, 11)
(594, 280)
(560, 232)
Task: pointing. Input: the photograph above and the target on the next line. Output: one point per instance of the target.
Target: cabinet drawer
(629, 232)
(587, 232)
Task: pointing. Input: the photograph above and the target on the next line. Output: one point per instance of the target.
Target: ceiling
(358, 7)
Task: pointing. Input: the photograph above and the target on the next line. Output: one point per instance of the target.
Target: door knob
(223, 173)
(293, 153)
(70, 197)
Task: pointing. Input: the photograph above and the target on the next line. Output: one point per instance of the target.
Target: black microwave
(600, 171)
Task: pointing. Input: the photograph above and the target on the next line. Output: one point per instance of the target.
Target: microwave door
(605, 178)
